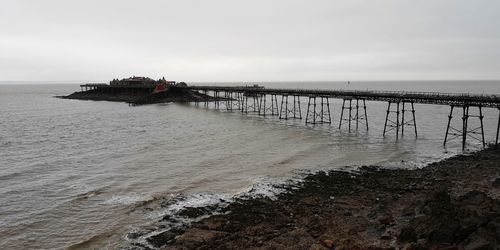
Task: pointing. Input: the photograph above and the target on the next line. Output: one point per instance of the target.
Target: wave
(126, 199)
(177, 212)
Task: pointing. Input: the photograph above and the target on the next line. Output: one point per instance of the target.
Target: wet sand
(452, 204)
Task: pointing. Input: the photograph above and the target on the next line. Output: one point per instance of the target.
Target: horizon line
(249, 81)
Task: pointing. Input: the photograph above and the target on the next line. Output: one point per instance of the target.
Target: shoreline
(451, 203)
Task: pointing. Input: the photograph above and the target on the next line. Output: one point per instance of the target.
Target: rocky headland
(139, 91)
(140, 98)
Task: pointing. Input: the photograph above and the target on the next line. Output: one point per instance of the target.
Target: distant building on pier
(139, 80)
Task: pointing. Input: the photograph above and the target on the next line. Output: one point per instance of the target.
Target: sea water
(88, 173)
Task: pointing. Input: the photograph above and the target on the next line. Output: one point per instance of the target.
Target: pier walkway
(264, 101)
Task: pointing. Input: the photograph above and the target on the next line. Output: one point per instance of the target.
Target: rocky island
(138, 90)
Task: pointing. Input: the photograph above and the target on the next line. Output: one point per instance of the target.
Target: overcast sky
(253, 40)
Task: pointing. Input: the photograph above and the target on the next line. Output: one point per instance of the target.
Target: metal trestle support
(228, 103)
(289, 110)
(498, 127)
(397, 124)
(316, 115)
(465, 132)
(266, 108)
(253, 105)
(216, 99)
(353, 116)
(206, 98)
(238, 101)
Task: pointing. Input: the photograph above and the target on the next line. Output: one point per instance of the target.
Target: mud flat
(452, 204)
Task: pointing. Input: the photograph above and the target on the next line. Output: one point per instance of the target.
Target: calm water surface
(85, 174)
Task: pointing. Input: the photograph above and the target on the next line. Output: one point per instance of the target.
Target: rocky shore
(452, 204)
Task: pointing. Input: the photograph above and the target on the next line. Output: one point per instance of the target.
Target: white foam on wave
(126, 199)
(173, 205)
(268, 187)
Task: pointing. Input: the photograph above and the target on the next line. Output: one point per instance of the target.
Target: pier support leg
(328, 110)
(465, 132)
(403, 120)
(245, 101)
(228, 100)
(216, 103)
(498, 127)
(322, 111)
(309, 107)
(482, 127)
(465, 118)
(297, 113)
(357, 114)
(311, 111)
(353, 116)
(342, 113)
(254, 105)
(284, 112)
(414, 119)
(450, 116)
(387, 117)
(206, 98)
(397, 120)
(315, 113)
(287, 110)
(240, 101)
(315, 116)
(350, 114)
(274, 105)
(366, 116)
(412, 122)
(269, 108)
(262, 105)
(398, 124)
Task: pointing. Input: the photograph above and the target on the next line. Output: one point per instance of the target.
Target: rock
(386, 220)
(195, 237)
(412, 246)
(316, 246)
(328, 243)
(312, 201)
(386, 236)
(475, 198)
(408, 211)
(193, 212)
(259, 229)
(161, 238)
(407, 235)
(481, 239)
(213, 223)
(496, 183)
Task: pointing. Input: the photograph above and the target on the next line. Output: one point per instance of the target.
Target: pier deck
(255, 99)
(455, 99)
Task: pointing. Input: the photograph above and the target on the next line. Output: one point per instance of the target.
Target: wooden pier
(400, 103)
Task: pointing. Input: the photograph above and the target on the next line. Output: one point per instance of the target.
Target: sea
(94, 174)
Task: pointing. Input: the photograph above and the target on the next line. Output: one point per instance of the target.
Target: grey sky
(254, 40)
